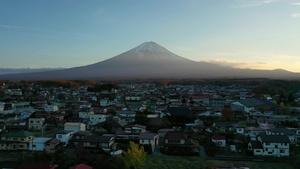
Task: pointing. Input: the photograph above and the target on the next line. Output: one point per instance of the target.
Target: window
(282, 151)
(267, 144)
(59, 136)
(33, 145)
(15, 138)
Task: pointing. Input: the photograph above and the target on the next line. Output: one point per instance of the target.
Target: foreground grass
(197, 163)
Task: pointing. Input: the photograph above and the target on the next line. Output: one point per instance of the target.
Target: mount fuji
(150, 60)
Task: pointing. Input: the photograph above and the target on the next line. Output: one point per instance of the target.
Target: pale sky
(260, 34)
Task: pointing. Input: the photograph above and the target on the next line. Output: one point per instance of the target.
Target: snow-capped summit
(150, 51)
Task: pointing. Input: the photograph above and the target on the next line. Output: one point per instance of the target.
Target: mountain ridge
(150, 60)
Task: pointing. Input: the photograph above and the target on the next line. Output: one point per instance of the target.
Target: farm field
(197, 162)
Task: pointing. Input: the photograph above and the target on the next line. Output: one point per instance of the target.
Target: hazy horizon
(255, 34)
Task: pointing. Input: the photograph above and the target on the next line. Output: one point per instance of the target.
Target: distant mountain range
(150, 60)
(25, 70)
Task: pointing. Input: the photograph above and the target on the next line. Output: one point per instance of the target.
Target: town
(91, 124)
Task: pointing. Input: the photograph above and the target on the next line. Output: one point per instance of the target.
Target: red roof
(81, 166)
(219, 137)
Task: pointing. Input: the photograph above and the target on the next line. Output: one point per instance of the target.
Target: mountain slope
(150, 60)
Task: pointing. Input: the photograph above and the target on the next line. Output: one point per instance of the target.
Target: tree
(135, 156)
(141, 118)
(227, 114)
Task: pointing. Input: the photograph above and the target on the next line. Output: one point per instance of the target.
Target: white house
(104, 102)
(36, 123)
(126, 115)
(75, 127)
(97, 118)
(220, 141)
(133, 98)
(38, 144)
(2, 106)
(131, 132)
(64, 136)
(271, 145)
(51, 108)
(148, 139)
(85, 113)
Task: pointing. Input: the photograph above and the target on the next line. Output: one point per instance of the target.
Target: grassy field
(197, 163)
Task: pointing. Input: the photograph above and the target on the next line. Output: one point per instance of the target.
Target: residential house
(96, 118)
(291, 134)
(85, 113)
(150, 139)
(270, 145)
(38, 144)
(16, 140)
(75, 127)
(260, 118)
(253, 132)
(133, 98)
(104, 142)
(51, 108)
(36, 123)
(178, 143)
(77, 139)
(2, 105)
(220, 141)
(224, 126)
(105, 102)
(53, 145)
(16, 125)
(110, 126)
(126, 115)
(131, 132)
(65, 136)
(163, 132)
(215, 104)
(240, 127)
(179, 115)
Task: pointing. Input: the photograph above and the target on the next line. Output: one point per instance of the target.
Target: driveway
(157, 152)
